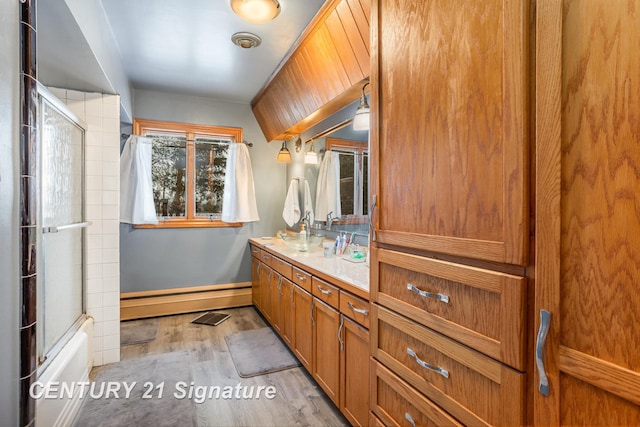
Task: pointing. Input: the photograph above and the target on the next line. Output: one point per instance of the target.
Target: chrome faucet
(305, 223)
(331, 219)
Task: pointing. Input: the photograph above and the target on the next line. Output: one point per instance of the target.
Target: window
(188, 165)
(354, 175)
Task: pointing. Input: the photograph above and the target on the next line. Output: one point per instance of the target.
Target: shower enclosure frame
(46, 356)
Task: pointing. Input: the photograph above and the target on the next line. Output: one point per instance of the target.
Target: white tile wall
(101, 114)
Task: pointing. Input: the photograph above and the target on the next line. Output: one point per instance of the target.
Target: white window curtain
(328, 188)
(136, 187)
(239, 199)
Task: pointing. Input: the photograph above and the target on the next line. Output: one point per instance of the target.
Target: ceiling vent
(246, 40)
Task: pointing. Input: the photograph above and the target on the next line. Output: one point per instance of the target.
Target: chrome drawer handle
(425, 365)
(264, 257)
(299, 277)
(358, 310)
(324, 291)
(409, 418)
(545, 320)
(438, 297)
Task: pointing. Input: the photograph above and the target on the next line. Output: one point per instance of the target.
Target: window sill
(178, 223)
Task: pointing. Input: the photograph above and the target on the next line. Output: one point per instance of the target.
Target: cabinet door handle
(280, 286)
(340, 333)
(438, 297)
(358, 310)
(408, 417)
(300, 277)
(425, 365)
(371, 209)
(258, 269)
(313, 321)
(324, 291)
(545, 320)
(293, 303)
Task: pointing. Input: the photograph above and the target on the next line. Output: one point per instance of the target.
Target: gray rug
(138, 331)
(258, 352)
(165, 411)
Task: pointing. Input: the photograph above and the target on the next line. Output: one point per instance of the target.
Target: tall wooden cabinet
(450, 152)
(588, 212)
(450, 126)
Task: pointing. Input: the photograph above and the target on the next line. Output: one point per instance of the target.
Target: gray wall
(9, 190)
(152, 259)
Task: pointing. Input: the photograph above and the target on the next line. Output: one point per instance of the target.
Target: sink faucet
(331, 219)
(305, 223)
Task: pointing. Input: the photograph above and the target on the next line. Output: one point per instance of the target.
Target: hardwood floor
(299, 401)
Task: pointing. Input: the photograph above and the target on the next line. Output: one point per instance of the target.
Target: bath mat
(138, 331)
(146, 374)
(211, 318)
(258, 352)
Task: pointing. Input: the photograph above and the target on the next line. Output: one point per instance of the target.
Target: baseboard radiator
(138, 305)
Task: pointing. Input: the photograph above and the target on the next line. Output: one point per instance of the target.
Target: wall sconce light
(311, 158)
(284, 156)
(361, 119)
(256, 11)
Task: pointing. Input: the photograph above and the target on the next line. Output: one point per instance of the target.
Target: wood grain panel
(359, 45)
(303, 330)
(613, 378)
(255, 281)
(326, 350)
(302, 279)
(354, 373)
(477, 386)
(601, 181)
(325, 292)
(282, 267)
(345, 51)
(462, 129)
(352, 306)
(320, 74)
(393, 399)
(486, 309)
(609, 410)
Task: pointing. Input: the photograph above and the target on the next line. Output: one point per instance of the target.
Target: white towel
(308, 204)
(328, 190)
(136, 186)
(291, 211)
(239, 198)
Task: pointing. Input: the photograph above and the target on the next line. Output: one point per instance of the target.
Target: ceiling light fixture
(256, 11)
(361, 119)
(246, 40)
(284, 156)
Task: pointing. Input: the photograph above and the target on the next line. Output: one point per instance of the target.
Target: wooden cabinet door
(265, 291)
(287, 304)
(588, 212)
(326, 349)
(449, 127)
(354, 372)
(255, 281)
(276, 302)
(303, 342)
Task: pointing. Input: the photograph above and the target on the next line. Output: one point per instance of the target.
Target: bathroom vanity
(320, 308)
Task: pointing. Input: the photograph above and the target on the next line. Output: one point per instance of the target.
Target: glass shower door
(61, 301)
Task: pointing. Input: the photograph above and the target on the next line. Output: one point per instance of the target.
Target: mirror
(350, 150)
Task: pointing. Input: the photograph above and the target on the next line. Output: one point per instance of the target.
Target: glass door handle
(66, 227)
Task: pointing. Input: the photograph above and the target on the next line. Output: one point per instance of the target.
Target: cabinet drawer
(265, 257)
(301, 278)
(325, 292)
(397, 403)
(282, 267)
(355, 308)
(255, 251)
(481, 308)
(472, 387)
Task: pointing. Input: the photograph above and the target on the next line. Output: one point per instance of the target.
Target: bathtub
(71, 365)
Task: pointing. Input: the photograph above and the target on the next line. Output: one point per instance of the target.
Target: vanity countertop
(351, 276)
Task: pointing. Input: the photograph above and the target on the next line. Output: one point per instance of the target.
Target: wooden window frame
(144, 126)
(359, 148)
